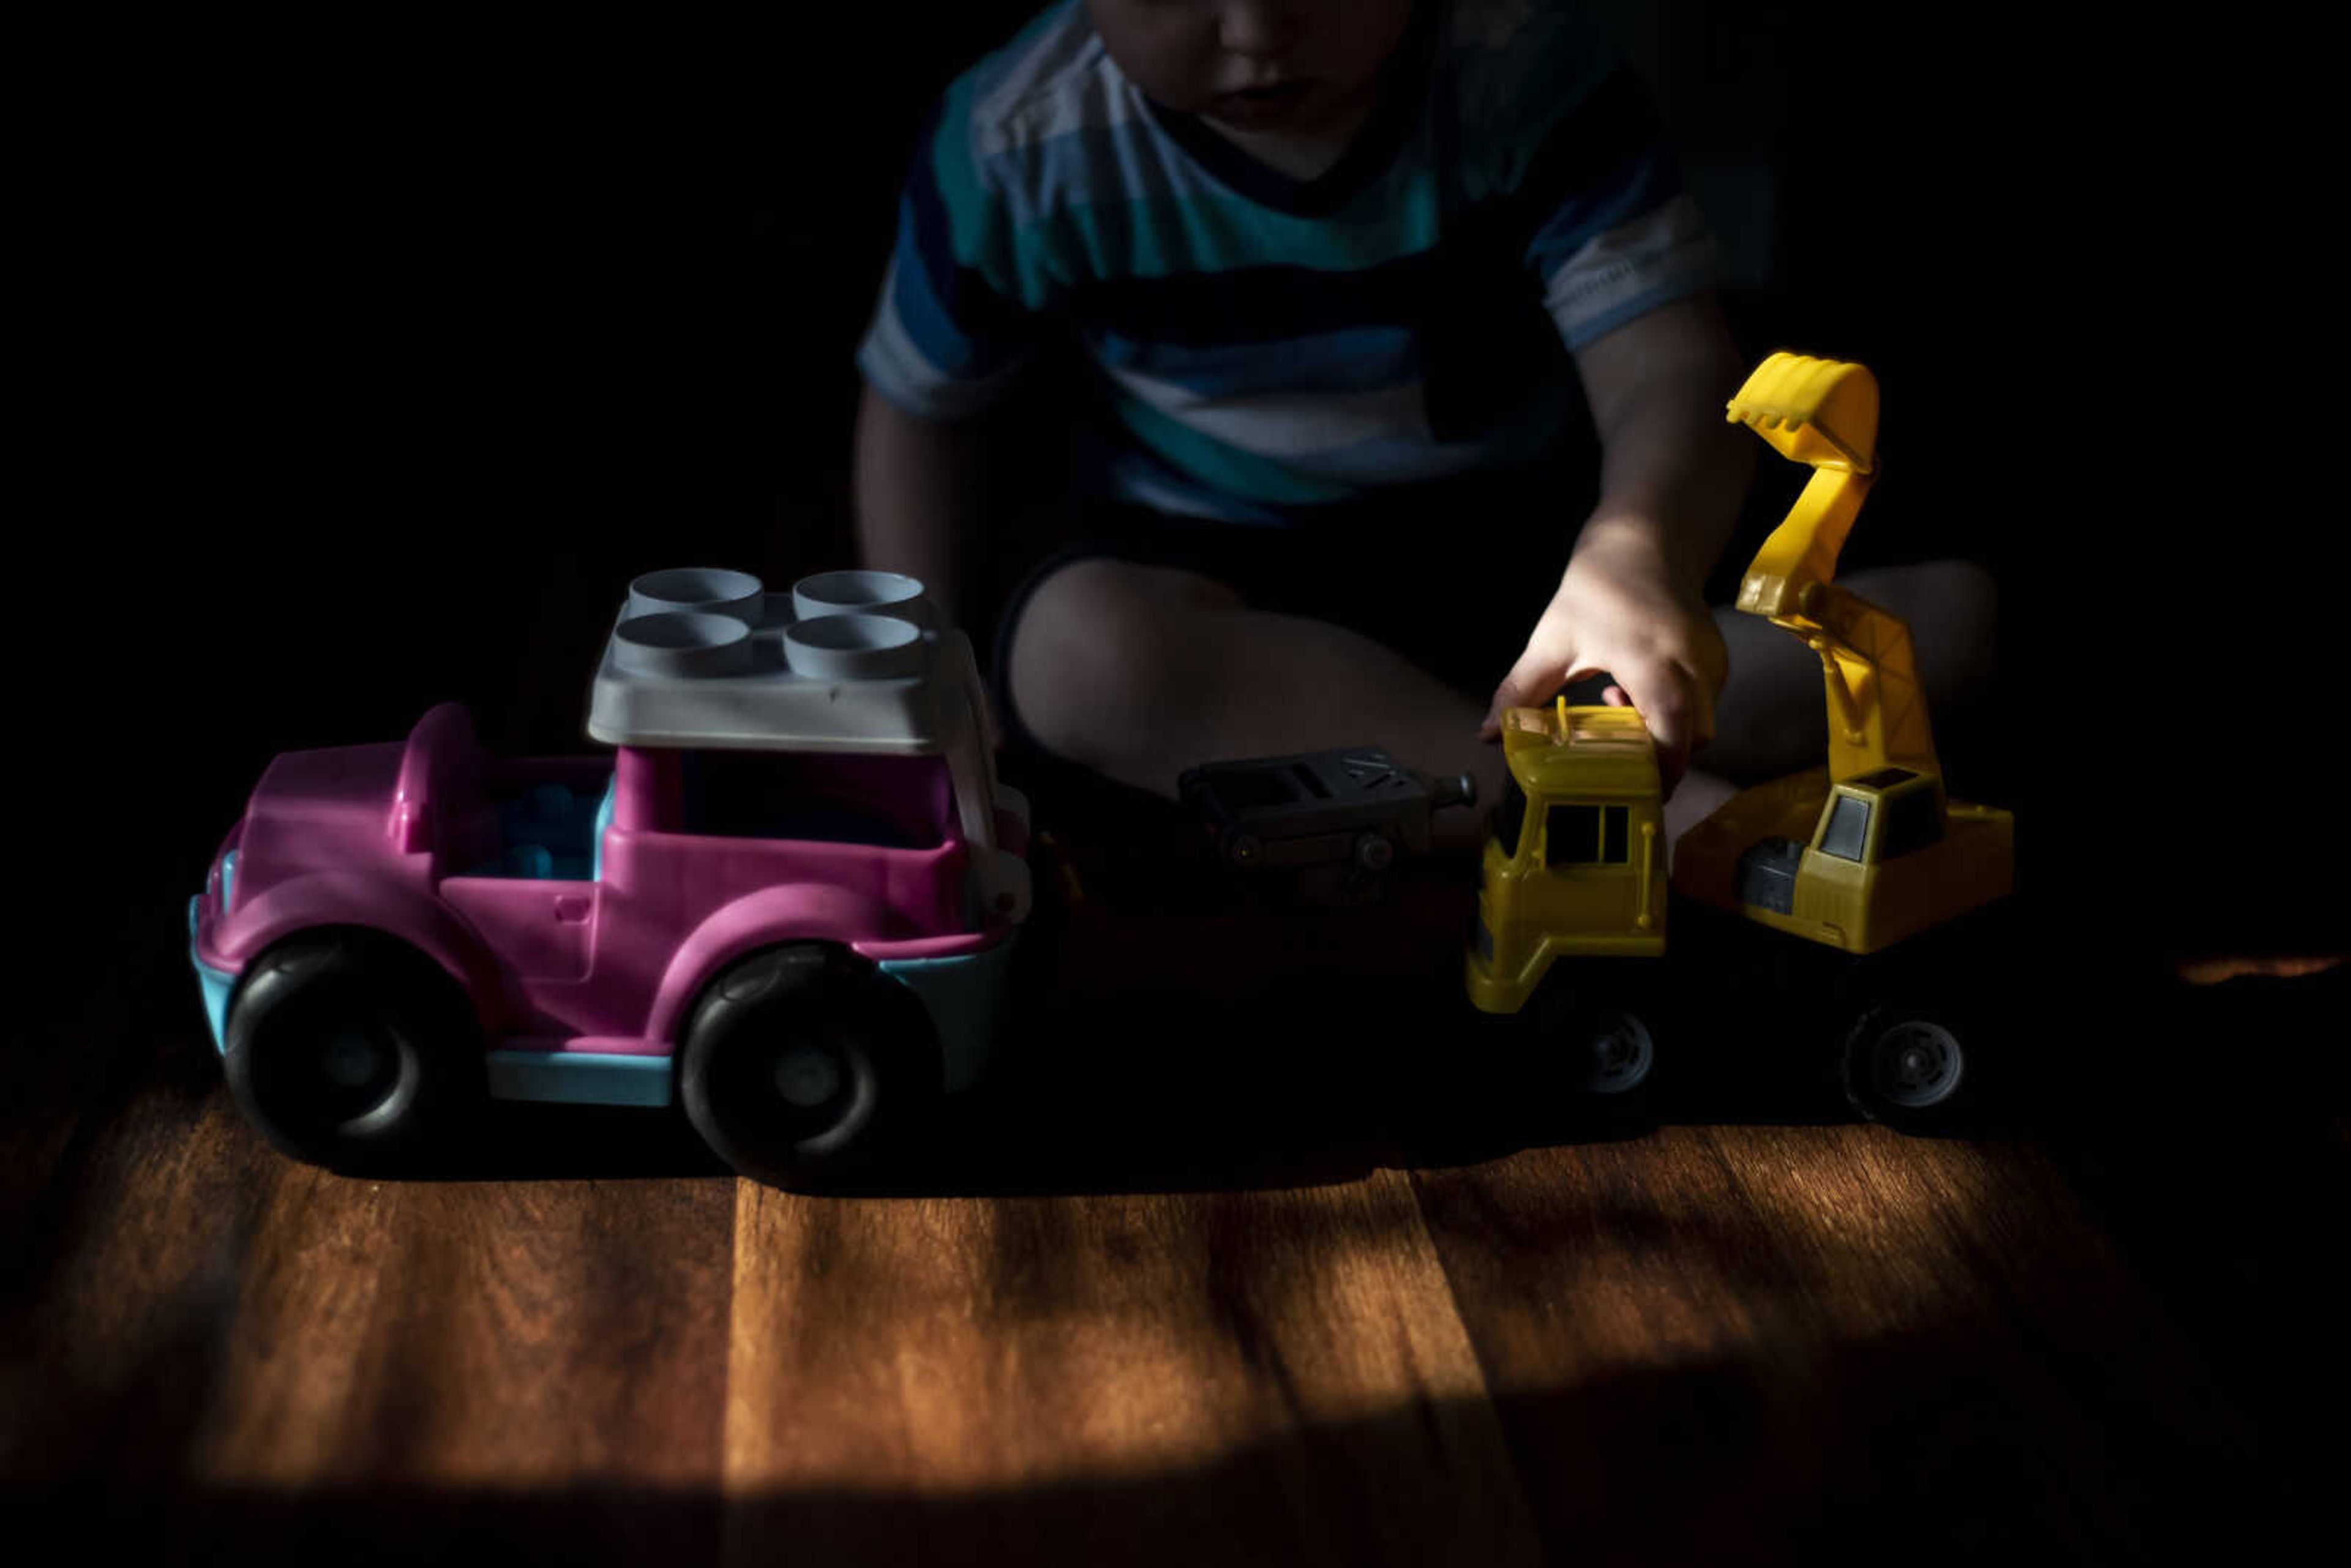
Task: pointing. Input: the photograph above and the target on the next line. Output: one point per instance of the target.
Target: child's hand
(1617, 611)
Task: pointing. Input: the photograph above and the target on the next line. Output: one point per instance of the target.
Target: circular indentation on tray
(861, 592)
(685, 642)
(853, 647)
(708, 588)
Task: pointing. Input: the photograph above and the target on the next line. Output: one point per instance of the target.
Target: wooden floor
(1200, 1285)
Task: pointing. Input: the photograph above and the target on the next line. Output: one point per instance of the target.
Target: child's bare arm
(1672, 476)
(919, 498)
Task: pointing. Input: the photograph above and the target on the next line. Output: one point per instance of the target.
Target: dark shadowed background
(422, 339)
(396, 343)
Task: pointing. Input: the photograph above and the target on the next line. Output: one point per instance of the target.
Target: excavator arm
(1824, 413)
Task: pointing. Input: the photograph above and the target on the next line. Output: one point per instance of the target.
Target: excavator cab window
(1911, 803)
(1585, 835)
(1913, 821)
(1848, 828)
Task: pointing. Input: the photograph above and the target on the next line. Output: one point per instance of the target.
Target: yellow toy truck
(1862, 859)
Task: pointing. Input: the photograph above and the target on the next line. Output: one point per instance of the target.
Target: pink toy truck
(786, 901)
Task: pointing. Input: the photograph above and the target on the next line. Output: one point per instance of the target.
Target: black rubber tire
(1906, 1063)
(351, 1050)
(1601, 1029)
(803, 1064)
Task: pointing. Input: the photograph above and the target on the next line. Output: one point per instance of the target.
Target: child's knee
(1955, 625)
(1952, 608)
(1101, 644)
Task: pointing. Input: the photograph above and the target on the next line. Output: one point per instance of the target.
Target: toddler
(1350, 277)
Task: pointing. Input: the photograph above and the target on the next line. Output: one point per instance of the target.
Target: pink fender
(798, 912)
(439, 752)
(345, 898)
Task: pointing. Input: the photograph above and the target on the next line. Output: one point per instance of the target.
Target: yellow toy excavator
(1867, 851)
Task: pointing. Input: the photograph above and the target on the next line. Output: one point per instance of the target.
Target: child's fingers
(1701, 712)
(1674, 701)
(1528, 686)
(1533, 678)
(1668, 697)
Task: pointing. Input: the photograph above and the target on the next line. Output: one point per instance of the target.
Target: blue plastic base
(965, 997)
(217, 984)
(579, 1077)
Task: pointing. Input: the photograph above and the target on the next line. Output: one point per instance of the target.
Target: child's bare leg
(1696, 798)
(1140, 672)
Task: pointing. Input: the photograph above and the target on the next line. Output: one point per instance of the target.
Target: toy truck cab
(785, 901)
(1575, 869)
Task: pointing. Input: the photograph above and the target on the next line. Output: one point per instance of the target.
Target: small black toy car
(1326, 825)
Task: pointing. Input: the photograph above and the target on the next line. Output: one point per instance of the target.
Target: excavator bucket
(1822, 413)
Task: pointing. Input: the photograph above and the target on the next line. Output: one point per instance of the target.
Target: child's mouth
(1260, 105)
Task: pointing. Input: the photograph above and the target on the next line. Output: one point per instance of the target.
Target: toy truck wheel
(1599, 1036)
(801, 1065)
(1607, 1051)
(1908, 1066)
(349, 1048)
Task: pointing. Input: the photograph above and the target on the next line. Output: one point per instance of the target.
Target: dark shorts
(1450, 576)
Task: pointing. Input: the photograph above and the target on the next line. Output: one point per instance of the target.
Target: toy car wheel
(1607, 1051)
(801, 1065)
(1908, 1067)
(349, 1048)
(1599, 1036)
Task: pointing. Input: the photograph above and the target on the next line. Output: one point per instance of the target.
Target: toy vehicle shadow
(1291, 1087)
(525, 1141)
(1260, 1046)
(1268, 1076)
(1295, 1088)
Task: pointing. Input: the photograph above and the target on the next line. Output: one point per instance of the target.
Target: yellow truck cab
(1576, 863)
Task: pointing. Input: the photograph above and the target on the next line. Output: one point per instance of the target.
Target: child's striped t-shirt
(1267, 347)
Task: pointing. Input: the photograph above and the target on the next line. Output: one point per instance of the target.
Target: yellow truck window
(1509, 815)
(1585, 835)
